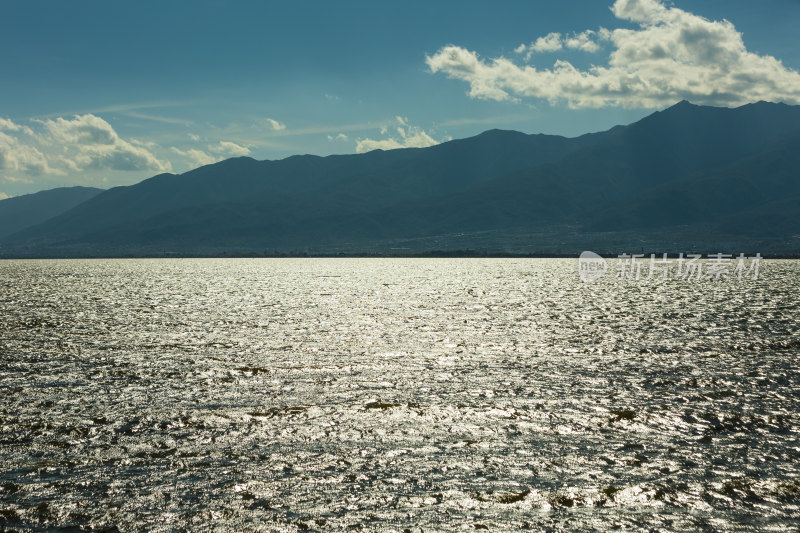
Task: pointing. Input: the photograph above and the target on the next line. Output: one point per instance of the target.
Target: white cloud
(157, 118)
(19, 156)
(583, 41)
(218, 152)
(549, 43)
(146, 144)
(70, 146)
(672, 55)
(408, 137)
(120, 156)
(194, 137)
(553, 42)
(14, 179)
(8, 125)
(275, 125)
(338, 137)
(4, 196)
(69, 163)
(230, 148)
(198, 158)
(81, 130)
(91, 142)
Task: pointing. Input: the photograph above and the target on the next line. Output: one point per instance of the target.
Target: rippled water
(378, 394)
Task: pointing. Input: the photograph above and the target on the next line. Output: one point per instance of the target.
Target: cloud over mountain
(197, 157)
(85, 148)
(673, 55)
(91, 142)
(403, 136)
(64, 145)
(229, 148)
(18, 156)
(219, 151)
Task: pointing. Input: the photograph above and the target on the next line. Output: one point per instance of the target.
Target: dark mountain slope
(23, 211)
(687, 165)
(742, 188)
(353, 182)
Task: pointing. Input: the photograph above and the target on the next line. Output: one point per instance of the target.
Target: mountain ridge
(19, 212)
(500, 182)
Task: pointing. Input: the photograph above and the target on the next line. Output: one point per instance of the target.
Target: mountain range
(688, 178)
(31, 209)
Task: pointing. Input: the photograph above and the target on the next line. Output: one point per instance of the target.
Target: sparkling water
(393, 395)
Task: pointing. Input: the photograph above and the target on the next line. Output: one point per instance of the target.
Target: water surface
(385, 394)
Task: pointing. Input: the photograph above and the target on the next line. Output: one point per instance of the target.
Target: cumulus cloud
(671, 56)
(120, 156)
(337, 137)
(212, 153)
(4, 196)
(82, 129)
(9, 125)
(65, 146)
(584, 41)
(196, 157)
(17, 155)
(229, 148)
(406, 137)
(91, 143)
(549, 43)
(275, 125)
(146, 144)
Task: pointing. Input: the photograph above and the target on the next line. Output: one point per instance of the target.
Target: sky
(102, 94)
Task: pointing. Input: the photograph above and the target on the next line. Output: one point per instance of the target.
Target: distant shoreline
(433, 254)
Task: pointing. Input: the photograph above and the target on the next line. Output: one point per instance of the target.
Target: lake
(395, 394)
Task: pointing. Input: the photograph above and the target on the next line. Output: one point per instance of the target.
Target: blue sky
(109, 93)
